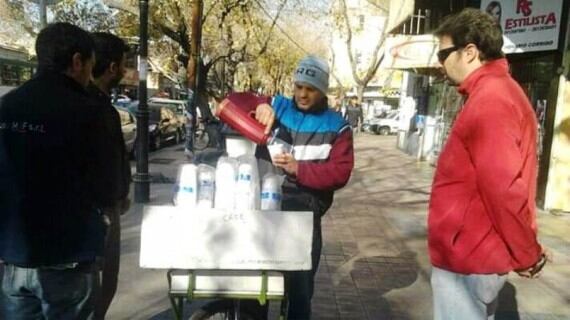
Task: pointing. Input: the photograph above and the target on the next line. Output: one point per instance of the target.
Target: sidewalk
(374, 264)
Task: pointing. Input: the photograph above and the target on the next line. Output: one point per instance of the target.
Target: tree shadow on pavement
(369, 277)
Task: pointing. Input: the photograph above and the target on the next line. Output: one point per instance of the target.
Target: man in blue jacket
(50, 161)
(320, 163)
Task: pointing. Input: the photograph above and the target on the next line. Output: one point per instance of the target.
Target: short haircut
(476, 27)
(57, 43)
(108, 49)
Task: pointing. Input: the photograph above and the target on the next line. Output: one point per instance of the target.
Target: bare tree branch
(264, 46)
(122, 5)
(353, 66)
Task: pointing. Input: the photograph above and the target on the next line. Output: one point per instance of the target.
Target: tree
(89, 15)
(20, 21)
(235, 33)
(343, 21)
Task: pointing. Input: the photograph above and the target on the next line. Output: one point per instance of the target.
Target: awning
(400, 11)
(410, 52)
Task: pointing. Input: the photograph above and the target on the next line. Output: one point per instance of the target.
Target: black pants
(300, 284)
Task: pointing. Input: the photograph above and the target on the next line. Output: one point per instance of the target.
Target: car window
(154, 114)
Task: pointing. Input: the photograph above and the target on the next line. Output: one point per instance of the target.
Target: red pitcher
(238, 111)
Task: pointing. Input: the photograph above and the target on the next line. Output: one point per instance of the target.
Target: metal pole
(43, 13)
(142, 178)
(194, 62)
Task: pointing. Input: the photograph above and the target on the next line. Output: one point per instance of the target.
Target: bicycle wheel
(201, 139)
(226, 310)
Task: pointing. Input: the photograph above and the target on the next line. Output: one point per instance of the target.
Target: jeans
(48, 293)
(466, 297)
(300, 284)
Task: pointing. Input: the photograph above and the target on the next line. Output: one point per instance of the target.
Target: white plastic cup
(271, 192)
(206, 186)
(226, 176)
(187, 187)
(278, 146)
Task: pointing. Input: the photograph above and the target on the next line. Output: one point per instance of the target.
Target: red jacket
(482, 216)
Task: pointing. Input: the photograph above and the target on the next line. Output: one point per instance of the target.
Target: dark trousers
(300, 284)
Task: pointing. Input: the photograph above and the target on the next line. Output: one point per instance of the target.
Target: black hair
(108, 49)
(476, 27)
(57, 43)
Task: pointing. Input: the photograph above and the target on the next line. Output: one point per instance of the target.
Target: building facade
(537, 46)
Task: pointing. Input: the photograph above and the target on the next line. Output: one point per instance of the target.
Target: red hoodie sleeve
(334, 173)
(502, 151)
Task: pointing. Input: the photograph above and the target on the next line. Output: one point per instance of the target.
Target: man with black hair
(110, 56)
(51, 230)
(482, 212)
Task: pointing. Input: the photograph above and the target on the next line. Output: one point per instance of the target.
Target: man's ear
(471, 53)
(76, 62)
(113, 68)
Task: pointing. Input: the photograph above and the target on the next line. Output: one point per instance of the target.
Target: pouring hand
(265, 115)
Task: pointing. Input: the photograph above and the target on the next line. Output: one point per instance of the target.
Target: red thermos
(238, 111)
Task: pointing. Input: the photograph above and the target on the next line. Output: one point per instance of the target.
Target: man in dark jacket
(50, 228)
(107, 73)
(321, 162)
(354, 114)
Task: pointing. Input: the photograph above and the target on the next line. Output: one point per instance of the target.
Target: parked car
(177, 106)
(383, 126)
(164, 126)
(129, 128)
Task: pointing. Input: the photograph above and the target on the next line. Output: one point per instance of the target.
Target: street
(375, 263)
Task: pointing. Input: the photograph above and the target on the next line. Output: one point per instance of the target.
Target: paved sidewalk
(375, 264)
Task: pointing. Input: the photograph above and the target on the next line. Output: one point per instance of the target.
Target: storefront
(534, 35)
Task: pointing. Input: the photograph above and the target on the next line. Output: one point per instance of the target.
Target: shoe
(189, 154)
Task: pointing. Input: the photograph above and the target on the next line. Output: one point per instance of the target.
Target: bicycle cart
(237, 257)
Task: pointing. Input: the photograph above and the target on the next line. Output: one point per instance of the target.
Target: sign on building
(407, 52)
(527, 25)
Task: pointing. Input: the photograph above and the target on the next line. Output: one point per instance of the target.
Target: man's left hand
(287, 162)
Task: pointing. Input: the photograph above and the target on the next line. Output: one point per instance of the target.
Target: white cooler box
(226, 250)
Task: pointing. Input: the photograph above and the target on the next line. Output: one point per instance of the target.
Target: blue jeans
(46, 293)
(465, 296)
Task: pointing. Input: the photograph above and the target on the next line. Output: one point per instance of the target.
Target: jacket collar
(58, 77)
(497, 67)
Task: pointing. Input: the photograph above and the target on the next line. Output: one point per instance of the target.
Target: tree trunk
(360, 93)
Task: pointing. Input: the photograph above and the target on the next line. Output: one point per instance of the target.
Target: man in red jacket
(482, 222)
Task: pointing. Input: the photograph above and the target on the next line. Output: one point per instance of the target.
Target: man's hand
(287, 162)
(266, 116)
(536, 270)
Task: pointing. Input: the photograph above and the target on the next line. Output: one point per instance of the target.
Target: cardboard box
(177, 238)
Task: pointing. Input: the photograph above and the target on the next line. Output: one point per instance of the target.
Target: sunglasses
(444, 53)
